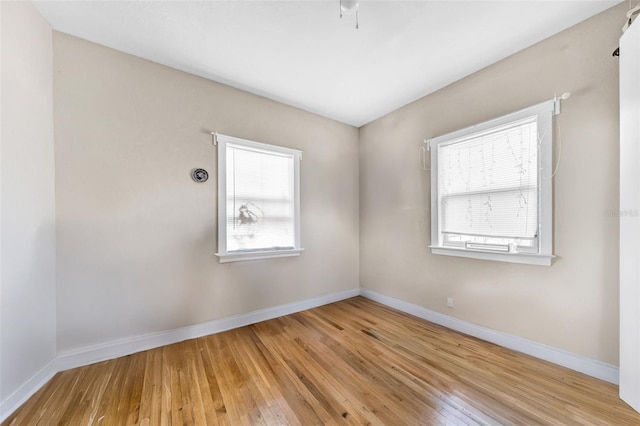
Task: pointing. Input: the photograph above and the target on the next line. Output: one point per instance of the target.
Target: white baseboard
(591, 367)
(24, 392)
(130, 345)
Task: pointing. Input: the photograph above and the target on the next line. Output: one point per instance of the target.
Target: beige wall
(137, 236)
(571, 305)
(27, 238)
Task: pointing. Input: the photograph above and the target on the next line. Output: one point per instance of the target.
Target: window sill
(526, 258)
(257, 255)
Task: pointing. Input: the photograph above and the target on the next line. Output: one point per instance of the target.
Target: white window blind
(258, 200)
(488, 182)
(491, 189)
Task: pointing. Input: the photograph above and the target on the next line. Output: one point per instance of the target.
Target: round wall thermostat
(199, 175)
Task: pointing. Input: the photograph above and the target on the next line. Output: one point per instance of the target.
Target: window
(258, 200)
(491, 189)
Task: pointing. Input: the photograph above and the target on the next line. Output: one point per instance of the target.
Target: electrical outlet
(450, 302)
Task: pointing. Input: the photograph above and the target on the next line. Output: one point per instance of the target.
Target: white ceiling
(302, 54)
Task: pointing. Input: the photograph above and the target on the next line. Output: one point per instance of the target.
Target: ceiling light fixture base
(348, 7)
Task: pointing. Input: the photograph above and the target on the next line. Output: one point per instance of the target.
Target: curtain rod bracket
(214, 137)
(557, 100)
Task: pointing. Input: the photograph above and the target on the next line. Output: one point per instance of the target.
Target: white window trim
(237, 256)
(545, 112)
(528, 258)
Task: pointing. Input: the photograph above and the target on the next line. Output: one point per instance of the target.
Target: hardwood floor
(352, 362)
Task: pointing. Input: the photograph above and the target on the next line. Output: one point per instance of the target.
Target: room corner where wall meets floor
(298, 368)
(135, 344)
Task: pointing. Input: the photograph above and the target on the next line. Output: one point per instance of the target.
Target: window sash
(482, 242)
(537, 240)
(269, 223)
